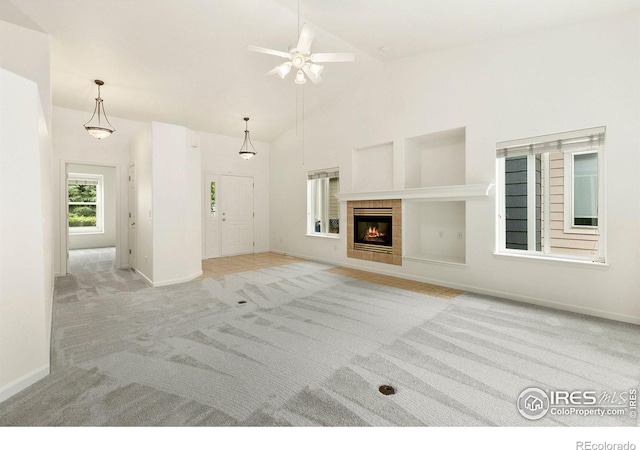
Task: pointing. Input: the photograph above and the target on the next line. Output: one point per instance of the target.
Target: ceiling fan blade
(332, 57)
(272, 71)
(268, 51)
(307, 34)
(314, 79)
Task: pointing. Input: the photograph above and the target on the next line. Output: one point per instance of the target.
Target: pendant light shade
(316, 69)
(247, 151)
(283, 69)
(99, 126)
(300, 78)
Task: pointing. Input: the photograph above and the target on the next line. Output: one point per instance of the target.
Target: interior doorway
(90, 217)
(228, 215)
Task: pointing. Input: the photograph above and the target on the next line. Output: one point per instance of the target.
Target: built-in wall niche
(373, 168)
(435, 159)
(434, 231)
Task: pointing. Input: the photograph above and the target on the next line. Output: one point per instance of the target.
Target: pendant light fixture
(247, 151)
(97, 128)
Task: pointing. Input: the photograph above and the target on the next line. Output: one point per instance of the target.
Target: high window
(323, 208)
(550, 196)
(85, 203)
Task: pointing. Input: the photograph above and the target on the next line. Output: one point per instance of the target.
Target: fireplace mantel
(461, 192)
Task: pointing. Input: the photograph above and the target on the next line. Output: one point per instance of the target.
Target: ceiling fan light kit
(316, 69)
(300, 78)
(284, 69)
(96, 128)
(301, 58)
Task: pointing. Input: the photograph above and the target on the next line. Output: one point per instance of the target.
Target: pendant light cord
(303, 125)
(298, 100)
(298, 18)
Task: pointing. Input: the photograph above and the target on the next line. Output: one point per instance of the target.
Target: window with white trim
(550, 196)
(581, 212)
(85, 203)
(323, 207)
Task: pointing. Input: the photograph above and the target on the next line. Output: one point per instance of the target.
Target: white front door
(132, 216)
(211, 216)
(235, 200)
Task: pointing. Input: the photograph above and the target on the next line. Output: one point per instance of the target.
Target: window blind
(82, 181)
(588, 139)
(325, 173)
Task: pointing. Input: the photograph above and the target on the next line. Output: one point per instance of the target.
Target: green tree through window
(83, 202)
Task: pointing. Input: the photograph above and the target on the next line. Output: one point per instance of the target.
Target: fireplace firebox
(372, 229)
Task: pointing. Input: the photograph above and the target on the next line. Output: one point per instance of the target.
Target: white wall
(26, 280)
(170, 165)
(176, 205)
(141, 151)
(26, 283)
(107, 238)
(220, 156)
(26, 52)
(541, 82)
(72, 144)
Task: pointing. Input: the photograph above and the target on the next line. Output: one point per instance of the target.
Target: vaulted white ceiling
(185, 62)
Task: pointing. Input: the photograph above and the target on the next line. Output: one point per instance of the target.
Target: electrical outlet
(459, 234)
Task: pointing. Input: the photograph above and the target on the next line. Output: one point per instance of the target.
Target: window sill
(324, 235)
(551, 260)
(84, 233)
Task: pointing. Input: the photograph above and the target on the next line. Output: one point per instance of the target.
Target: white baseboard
(144, 278)
(477, 290)
(176, 280)
(554, 305)
(23, 382)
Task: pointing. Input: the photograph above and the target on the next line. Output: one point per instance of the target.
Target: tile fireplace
(374, 230)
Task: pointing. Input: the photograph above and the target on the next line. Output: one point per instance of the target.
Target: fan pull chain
(303, 125)
(298, 18)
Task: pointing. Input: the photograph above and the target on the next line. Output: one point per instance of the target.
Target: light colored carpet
(308, 348)
(91, 260)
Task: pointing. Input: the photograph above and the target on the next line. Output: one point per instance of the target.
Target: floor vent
(385, 389)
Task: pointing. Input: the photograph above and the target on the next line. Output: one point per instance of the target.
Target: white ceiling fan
(301, 58)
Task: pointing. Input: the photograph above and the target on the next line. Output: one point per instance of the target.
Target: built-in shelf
(462, 192)
(373, 168)
(445, 260)
(428, 173)
(435, 231)
(435, 159)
